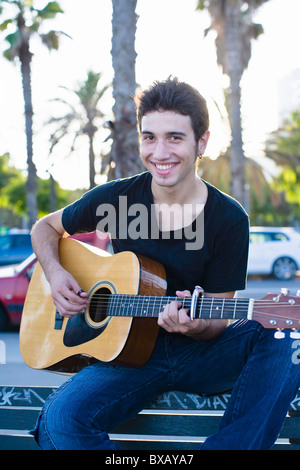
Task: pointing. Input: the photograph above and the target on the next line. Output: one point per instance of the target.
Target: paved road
(258, 288)
(13, 370)
(16, 372)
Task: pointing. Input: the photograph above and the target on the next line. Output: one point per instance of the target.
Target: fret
(228, 310)
(111, 306)
(234, 310)
(211, 308)
(200, 300)
(204, 308)
(161, 306)
(145, 307)
(241, 310)
(135, 306)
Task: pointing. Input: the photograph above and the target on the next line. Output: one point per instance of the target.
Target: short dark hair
(173, 95)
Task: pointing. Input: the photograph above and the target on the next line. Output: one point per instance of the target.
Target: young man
(202, 241)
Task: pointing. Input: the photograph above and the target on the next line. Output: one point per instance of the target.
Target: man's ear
(203, 143)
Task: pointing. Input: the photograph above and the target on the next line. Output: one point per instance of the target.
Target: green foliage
(283, 148)
(27, 21)
(43, 196)
(50, 11)
(266, 202)
(13, 191)
(12, 186)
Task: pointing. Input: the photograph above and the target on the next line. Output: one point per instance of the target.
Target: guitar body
(48, 341)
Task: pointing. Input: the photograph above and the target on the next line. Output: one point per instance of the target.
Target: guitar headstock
(279, 311)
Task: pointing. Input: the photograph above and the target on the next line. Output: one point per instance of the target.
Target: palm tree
(27, 22)
(232, 20)
(81, 118)
(124, 151)
(283, 147)
(259, 196)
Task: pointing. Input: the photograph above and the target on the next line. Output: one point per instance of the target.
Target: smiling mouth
(164, 167)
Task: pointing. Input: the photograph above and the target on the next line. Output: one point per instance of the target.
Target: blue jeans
(262, 372)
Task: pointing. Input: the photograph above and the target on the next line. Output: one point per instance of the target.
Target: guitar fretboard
(150, 306)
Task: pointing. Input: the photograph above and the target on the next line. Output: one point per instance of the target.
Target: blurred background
(69, 68)
(67, 121)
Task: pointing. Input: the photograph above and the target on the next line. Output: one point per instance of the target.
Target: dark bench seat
(174, 421)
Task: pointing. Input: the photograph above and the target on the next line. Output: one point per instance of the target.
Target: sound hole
(98, 304)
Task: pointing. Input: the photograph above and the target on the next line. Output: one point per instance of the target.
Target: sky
(169, 41)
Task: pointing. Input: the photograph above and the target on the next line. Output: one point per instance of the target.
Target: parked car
(14, 281)
(15, 247)
(274, 251)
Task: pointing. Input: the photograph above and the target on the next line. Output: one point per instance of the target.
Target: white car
(274, 250)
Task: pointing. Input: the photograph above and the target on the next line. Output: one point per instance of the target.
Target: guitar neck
(207, 307)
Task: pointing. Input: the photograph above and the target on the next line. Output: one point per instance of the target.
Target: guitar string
(159, 297)
(129, 298)
(225, 315)
(155, 303)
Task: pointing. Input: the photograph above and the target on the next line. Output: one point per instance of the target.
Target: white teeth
(164, 167)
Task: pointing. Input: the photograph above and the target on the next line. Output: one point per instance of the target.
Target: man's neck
(176, 209)
(195, 193)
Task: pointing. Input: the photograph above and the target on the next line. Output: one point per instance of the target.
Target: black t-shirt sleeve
(81, 215)
(227, 270)
(78, 218)
(85, 214)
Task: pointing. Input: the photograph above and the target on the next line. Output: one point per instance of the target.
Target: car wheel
(284, 268)
(3, 319)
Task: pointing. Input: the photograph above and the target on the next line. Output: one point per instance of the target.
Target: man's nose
(161, 151)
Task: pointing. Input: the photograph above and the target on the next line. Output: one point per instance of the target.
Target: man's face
(168, 148)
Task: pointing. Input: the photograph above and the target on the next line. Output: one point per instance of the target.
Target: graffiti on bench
(189, 401)
(24, 396)
(36, 397)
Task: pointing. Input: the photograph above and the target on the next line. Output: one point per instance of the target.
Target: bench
(173, 421)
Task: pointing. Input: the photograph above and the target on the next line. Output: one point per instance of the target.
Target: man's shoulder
(225, 203)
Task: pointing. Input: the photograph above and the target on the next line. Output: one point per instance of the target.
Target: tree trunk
(92, 171)
(53, 195)
(237, 157)
(31, 185)
(125, 146)
(234, 69)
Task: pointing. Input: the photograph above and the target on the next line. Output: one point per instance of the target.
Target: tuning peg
(279, 334)
(285, 291)
(295, 334)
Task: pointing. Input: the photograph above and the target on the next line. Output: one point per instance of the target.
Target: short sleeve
(81, 215)
(227, 269)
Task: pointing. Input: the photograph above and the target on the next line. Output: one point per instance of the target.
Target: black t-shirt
(211, 252)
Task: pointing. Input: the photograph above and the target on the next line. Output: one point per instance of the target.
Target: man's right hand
(67, 295)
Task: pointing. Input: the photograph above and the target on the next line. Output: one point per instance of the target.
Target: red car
(14, 281)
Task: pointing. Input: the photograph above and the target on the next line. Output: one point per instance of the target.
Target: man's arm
(66, 292)
(175, 319)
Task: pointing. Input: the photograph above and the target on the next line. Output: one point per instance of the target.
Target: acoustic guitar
(126, 293)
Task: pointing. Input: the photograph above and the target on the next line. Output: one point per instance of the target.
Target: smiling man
(200, 236)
